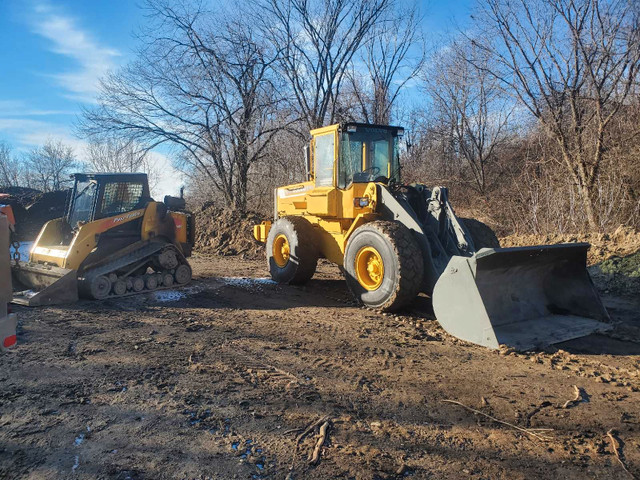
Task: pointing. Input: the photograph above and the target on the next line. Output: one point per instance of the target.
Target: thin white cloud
(67, 38)
(19, 108)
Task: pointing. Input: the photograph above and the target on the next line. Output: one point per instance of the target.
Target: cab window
(367, 153)
(82, 203)
(120, 197)
(324, 153)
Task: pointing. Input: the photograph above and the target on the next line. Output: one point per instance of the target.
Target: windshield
(82, 203)
(366, 154)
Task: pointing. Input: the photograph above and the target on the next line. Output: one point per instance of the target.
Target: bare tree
(470, 112)
(393, 56)
(572, 64)
(120, 155)
(11, 169)
(50, 165)
(317, 42)
(201, 83)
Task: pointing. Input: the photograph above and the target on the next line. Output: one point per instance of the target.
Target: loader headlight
(361, 202)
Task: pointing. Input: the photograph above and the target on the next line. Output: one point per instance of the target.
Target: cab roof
(126, 177)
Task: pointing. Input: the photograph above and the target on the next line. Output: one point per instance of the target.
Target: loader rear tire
(397, 282)
(481, 234)
(292, 255)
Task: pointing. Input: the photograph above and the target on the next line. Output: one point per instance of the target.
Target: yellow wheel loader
(394, 241)
(114, 240)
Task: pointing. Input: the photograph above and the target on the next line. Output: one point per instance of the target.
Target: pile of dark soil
(226, 232)
(45, 207)
(33, 208)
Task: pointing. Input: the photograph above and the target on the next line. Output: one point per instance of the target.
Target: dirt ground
(220, 380)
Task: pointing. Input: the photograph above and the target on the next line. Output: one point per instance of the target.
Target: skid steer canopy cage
(101, 195)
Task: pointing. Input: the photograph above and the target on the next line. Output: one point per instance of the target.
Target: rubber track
(411, 268)
(135, 256)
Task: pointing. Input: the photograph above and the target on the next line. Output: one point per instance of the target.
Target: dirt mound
(624, 241)
(33, 208)
(227, 232)
(21, 195)
(44, 207)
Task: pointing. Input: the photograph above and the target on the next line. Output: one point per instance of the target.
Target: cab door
(322, 200)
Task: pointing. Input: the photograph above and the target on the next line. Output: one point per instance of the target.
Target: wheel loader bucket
(44, 285)
(524, 297)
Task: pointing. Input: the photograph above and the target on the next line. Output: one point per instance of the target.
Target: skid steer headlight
(361, 202)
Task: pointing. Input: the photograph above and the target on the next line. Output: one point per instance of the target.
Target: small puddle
(170, 295)
(24, 250)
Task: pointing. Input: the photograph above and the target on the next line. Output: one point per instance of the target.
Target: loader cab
(101, 195)
(344, 154)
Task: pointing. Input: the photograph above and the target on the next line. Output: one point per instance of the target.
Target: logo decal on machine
(294, 191)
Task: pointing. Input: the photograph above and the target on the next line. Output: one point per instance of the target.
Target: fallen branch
(533, 432)
(615, 446)
(315, 457)
(579, 398)
(311, 427)
(306, 432)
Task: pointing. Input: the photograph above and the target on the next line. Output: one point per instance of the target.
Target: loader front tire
(383, 265)
(292, 254)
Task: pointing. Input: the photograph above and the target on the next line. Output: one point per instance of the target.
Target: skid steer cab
(114, 240)
(395, 241)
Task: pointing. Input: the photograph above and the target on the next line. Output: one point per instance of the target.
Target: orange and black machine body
(113, 238)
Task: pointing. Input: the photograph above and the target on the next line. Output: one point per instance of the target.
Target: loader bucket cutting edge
(523, 297)
(46, 285)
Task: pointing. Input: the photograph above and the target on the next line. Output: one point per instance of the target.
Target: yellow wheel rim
(369, 268)
(281, 250)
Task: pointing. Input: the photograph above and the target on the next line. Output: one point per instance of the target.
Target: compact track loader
(114, 240)
(394, 241)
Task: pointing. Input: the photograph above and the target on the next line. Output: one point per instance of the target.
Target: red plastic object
(8, 211)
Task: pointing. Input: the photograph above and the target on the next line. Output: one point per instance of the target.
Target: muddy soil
(221, 379)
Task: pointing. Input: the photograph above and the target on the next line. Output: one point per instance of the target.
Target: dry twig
(534, 432)
(576, 400)
(615, 446)
(306, 431)
(315, 457)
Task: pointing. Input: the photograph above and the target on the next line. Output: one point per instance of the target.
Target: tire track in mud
(262, 374)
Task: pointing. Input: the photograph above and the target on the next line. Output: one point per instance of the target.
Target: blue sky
(54, 51)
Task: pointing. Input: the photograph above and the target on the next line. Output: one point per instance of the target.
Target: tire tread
(411, 268)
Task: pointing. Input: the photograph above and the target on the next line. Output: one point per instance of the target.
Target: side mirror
(307, 162)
